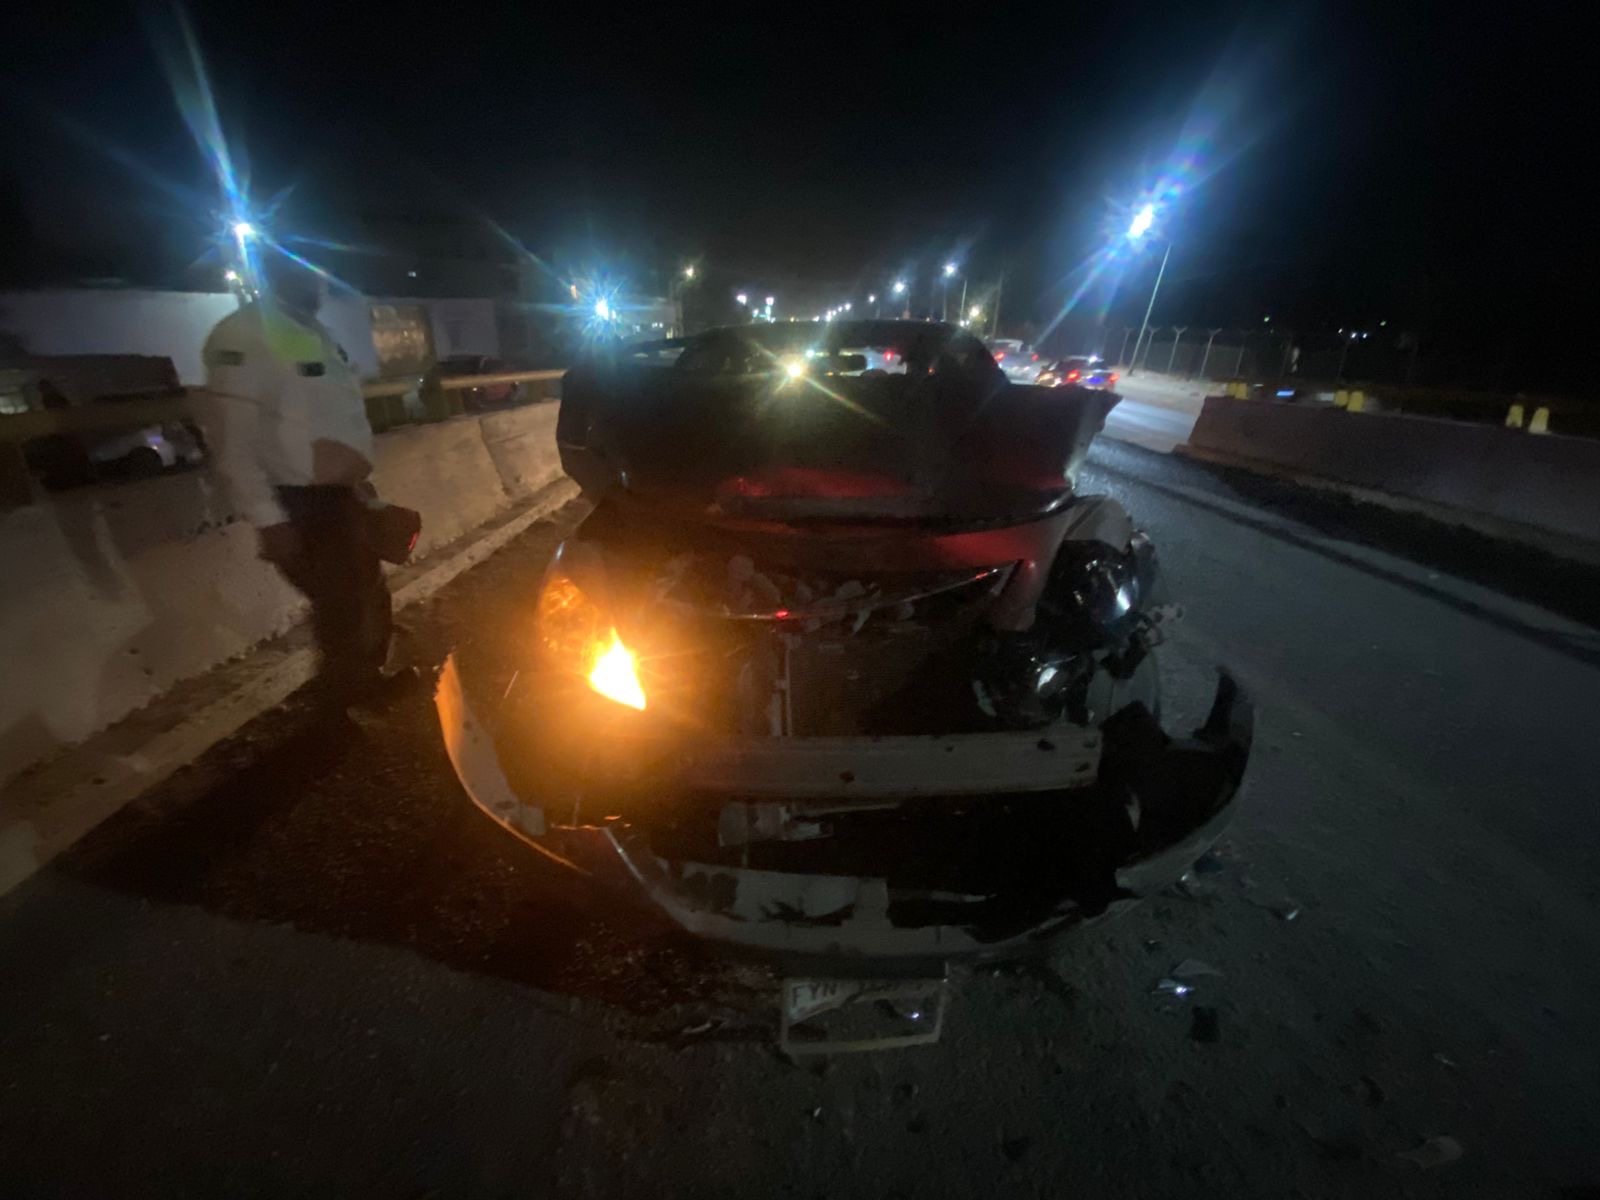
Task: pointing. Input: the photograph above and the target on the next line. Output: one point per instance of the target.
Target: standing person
(289, 427)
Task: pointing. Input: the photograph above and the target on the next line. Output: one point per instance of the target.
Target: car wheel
(143, 462)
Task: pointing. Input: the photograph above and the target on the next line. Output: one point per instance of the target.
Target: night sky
(1348, 163)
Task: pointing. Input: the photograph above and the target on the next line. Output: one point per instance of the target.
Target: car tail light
(1074, 376)
(1112, 378)
(1035, 358)
(999, 355)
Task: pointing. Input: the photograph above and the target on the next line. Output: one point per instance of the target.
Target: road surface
(308, 966)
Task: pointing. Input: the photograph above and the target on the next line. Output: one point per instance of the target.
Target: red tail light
(1113, 377)
(999, 355)
(1074, 376)
(1035, 358)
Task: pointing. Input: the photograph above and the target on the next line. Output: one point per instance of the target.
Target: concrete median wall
(1549, 484)
(112, 595)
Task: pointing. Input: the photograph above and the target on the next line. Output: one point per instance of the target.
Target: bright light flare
(615, 676)
(741, 299)
(975, 312)
(243, 231)
(602, 309)
(794, 368)
(949, 269)
(1142, 220)
(899, 287)
(771, 300)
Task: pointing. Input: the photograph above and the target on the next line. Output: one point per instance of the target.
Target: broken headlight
(578, 637)
(1096, 592)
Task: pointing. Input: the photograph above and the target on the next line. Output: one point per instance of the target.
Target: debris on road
(1435, 1152)
(1193, 968)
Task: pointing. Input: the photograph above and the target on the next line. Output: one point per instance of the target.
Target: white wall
(175, 324)
(463, 327)
(83, 321)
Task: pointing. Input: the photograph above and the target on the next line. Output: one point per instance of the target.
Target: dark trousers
(339, 572)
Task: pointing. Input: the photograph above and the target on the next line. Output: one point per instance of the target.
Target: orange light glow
(614, 676)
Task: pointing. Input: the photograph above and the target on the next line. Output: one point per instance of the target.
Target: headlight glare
(580, 638)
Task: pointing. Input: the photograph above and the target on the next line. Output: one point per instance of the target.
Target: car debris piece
(1193, 968)
(912, 1008)
(1435, 1152)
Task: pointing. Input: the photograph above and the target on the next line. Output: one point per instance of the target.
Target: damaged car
(840, 666)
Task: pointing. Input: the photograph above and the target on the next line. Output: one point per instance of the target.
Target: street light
(741, 299)
(975, 312)
(243, 231)
(688, 272)
(899, 287)
(771, 301)
(847, 306)
(1137, 228)
(602, 309)
(944, 291)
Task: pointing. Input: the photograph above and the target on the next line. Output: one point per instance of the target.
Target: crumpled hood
(837, 448)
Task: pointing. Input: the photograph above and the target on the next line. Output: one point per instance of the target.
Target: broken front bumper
(1043, 797)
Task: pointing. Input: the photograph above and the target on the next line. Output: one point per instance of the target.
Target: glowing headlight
(579, 637)
(615, 677)
(794, 368)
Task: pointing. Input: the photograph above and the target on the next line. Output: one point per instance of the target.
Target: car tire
(143, 463)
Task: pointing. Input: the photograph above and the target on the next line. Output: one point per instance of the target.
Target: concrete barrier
(114, 594)
(1549, 484)
(522, 443)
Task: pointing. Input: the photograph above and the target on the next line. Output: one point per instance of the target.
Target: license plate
(861, 1014)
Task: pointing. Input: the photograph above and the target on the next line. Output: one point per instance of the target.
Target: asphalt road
(308, 966)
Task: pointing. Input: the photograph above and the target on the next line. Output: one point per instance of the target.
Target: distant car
(1017, 359)
(1084, 372)
(149, 451)
(491, 395)
(113, 450)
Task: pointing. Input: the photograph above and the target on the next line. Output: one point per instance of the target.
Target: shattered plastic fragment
(1193, 968)
(1435, 1152)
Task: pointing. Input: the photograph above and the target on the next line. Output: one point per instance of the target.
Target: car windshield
(850, 348)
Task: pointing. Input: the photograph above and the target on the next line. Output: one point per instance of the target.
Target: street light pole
(1149, 308)
(994, 320)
